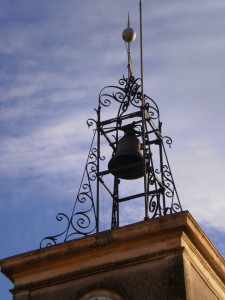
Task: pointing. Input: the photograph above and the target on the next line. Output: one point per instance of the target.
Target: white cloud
(55, 63)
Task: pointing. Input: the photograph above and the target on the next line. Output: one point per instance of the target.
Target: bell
(128, 162)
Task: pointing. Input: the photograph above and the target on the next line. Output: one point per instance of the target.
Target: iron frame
(159, 191)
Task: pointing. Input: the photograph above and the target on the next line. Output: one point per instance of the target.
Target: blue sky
(56, 56)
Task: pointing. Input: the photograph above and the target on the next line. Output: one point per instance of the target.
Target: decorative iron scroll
(126, 95)
(162, 197)
(82, 221)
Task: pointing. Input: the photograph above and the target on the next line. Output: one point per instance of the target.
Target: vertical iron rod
(98, 161)
(143, 115)
(128, 50)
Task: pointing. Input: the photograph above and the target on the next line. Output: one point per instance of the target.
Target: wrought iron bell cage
(105, 201)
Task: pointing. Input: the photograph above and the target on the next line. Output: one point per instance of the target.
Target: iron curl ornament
(82, 221)
(135, 116)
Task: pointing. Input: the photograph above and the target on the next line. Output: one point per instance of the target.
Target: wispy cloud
(55, 58)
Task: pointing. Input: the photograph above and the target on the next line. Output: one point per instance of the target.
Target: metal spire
(129, 35)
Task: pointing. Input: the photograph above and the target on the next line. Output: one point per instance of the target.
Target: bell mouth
(127, 166)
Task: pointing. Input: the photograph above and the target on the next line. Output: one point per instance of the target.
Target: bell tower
(127, 159)
(127, 237)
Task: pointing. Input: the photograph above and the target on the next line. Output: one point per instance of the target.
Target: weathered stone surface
(168, 258)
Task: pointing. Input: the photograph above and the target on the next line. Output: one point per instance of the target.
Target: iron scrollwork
(82, 221)
(162, 197)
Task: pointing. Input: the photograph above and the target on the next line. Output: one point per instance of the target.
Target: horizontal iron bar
(136, 114)
(156, 142)
(118, 169)
(139, 195)
(102, 173)
(162, 187)
(156, 131)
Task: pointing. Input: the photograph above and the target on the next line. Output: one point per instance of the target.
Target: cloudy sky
(55, 57)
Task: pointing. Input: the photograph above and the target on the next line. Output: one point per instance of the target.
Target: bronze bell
(128, 162)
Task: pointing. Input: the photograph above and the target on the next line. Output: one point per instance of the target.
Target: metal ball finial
(129, 35)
